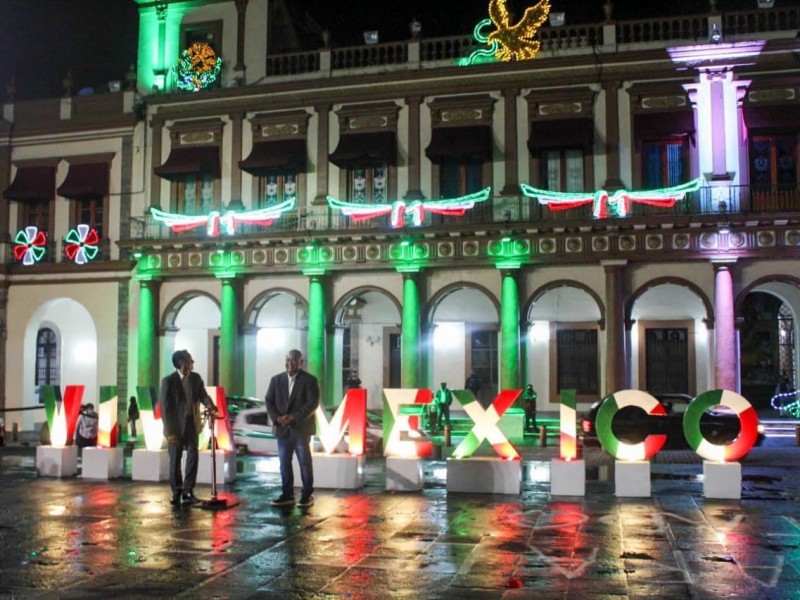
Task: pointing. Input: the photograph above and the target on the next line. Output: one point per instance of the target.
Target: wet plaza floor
(79, 539)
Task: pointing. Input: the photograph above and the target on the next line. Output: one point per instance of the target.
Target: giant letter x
(485, 427)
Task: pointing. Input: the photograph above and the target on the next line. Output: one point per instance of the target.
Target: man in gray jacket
(292, 398)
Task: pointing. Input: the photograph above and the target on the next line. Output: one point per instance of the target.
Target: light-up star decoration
(509, 42)
(30, 245)
(416, 209)
(613, 205)
(81, 246)
(216, 222)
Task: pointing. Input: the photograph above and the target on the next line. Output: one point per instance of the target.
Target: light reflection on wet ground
(76, 539)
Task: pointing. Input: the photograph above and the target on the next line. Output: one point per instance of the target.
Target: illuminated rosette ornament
(81, 246)
(198, 67)
(30, 245)
(617, 448)
(748, 424)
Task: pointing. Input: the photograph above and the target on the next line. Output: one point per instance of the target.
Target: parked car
(631, 424)
(252, 428)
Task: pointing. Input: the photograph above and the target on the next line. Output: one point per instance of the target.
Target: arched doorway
(767, 318)
(564, 342)
(368, 342)
(191, 322)
(466, 322)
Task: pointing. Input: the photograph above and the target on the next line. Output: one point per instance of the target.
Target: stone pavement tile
(406, 583)
(673, 591)
(444, 557)
(306, 579)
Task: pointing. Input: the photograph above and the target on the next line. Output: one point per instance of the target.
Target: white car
(252, 428)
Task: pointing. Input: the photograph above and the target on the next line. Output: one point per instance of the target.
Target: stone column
(241, 13)
(315, 360)
(334, 336)
(616, 353)
(250, 347)
(230, 343)
(613, 180)
(409, 351)
(323, 136)
(426, 354)
(509, 331)
(236, 156)
(413, 165)
(147, 362)
(511, 188)
(157, 127)
(725, 343)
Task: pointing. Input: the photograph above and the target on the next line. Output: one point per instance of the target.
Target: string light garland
(216, 222)
(613, 205)
(198, 67)
(787, 404)
(30, 245)
(415, 209)
(481, 55)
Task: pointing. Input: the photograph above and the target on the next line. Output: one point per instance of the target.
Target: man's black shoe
(175, 499)
(306, 501)
(283, 500)
(189, 498)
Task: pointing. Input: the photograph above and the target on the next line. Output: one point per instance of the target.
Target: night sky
(40, 40)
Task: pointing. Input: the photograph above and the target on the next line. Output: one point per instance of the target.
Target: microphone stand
(215, 503)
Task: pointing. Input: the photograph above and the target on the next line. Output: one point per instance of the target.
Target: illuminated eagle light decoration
(508, 42)
(226, 222)
(416, 209)
(613, 205)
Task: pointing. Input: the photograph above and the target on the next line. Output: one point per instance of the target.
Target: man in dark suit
(292, 398)
(181, 395)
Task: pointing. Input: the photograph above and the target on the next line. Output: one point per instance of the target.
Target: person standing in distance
(180, 397)
(292, 398)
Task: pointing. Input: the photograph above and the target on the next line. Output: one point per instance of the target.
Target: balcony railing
(501, 212)
(662, 30)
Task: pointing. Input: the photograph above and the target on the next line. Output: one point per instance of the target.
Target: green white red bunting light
(216, 222)
(614, 205)
(401, 432)
(748, 423)
(416, 209)
(568, 425)
(82, 244)
(30, 245)
(485, 424)
(614, 446)
(198, 67)
(351, 416)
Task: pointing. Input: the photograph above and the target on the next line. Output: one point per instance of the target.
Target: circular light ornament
(748, 423)
(82, 244)
(645, 449)
(30, 245)
(198, 67)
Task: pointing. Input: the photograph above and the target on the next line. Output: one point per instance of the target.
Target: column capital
(723, 263)
(510, 92)
(609, 265)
